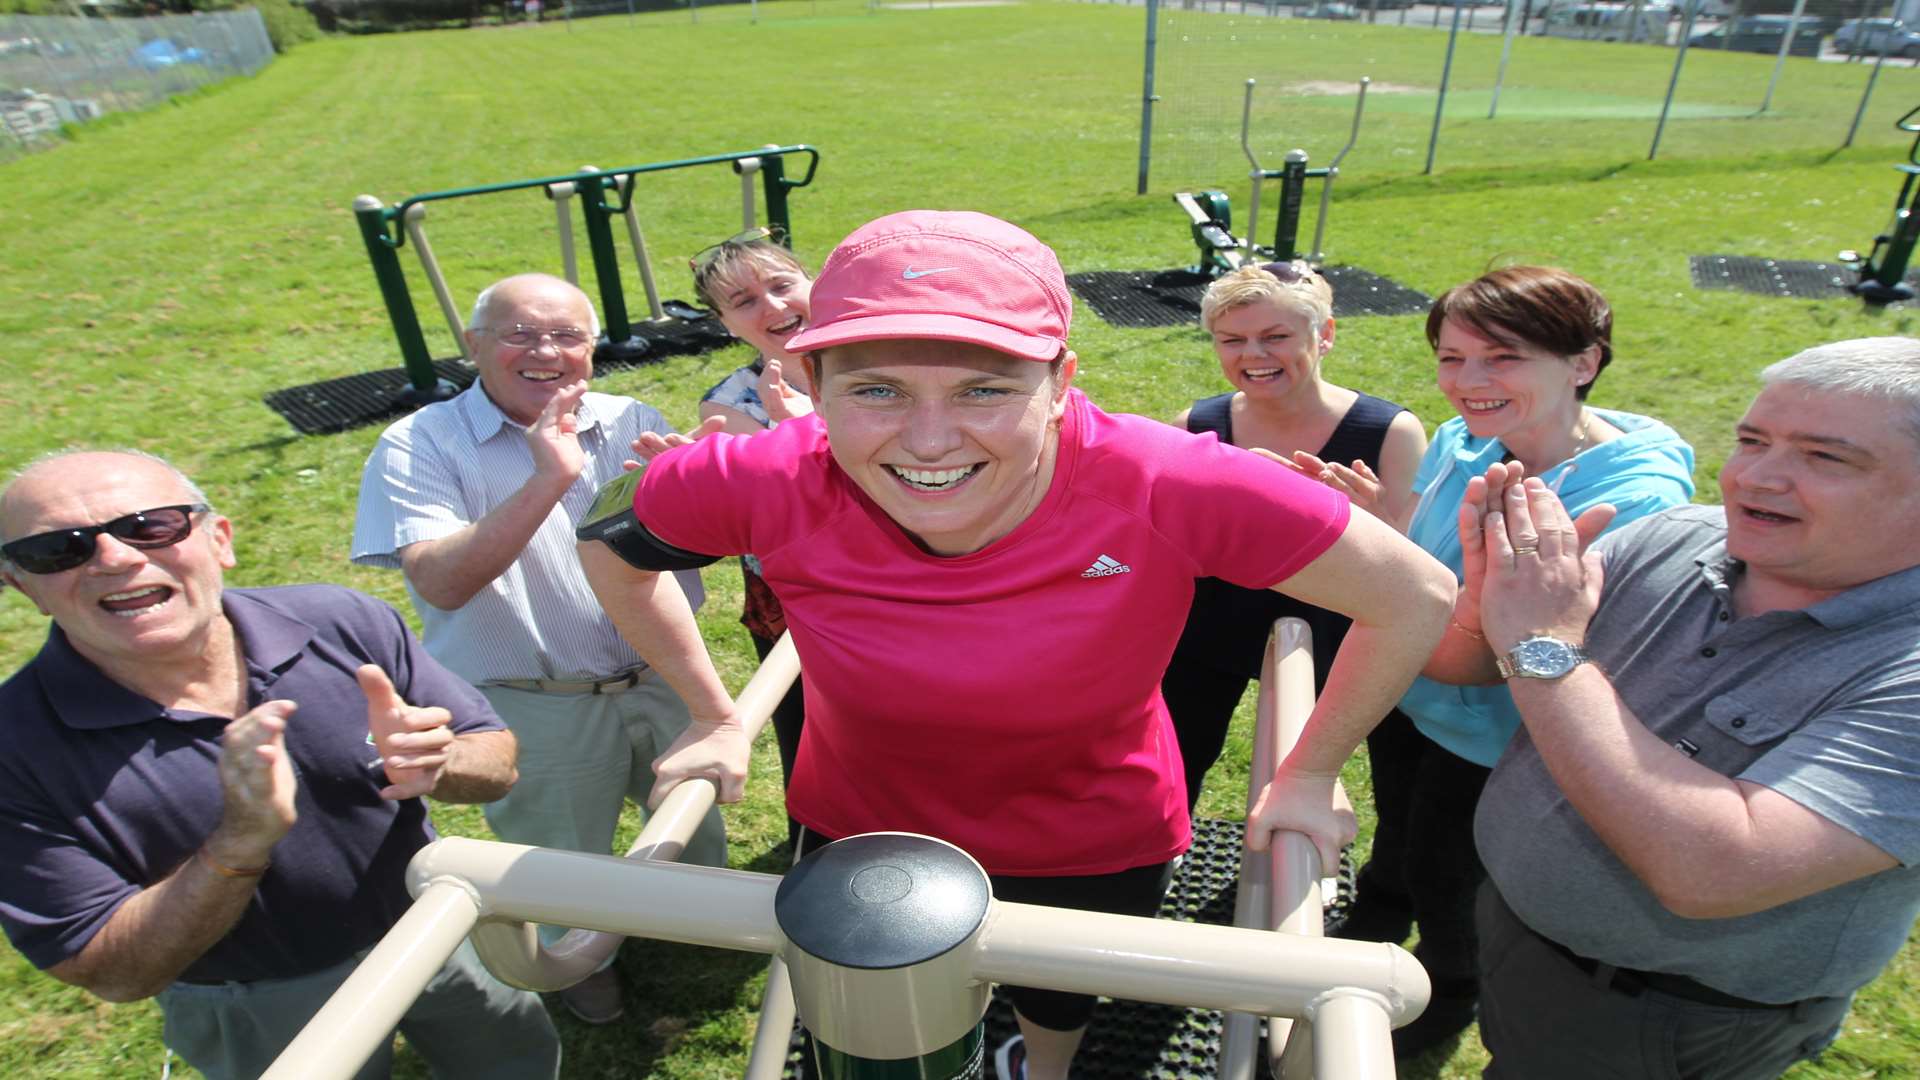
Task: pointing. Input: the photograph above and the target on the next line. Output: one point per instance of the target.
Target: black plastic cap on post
(882, 901)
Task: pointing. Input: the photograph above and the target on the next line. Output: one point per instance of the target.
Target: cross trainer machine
(888, 943)
(1210, 217)
(1883, 271)
(603, 196)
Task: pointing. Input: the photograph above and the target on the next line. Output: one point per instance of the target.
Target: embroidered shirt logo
(910, 274)
(1106, 566)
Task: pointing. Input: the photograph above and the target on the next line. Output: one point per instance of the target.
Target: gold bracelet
(1474, 634)
(232, 871)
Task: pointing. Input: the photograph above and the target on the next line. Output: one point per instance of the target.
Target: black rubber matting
(1131, 1040)
(1775, 277)
(370, 397)
(1172, 297)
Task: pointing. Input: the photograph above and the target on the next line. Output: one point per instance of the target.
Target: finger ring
(1529, 549)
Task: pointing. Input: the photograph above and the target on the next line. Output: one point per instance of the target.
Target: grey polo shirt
(444, 467)
(1821, 705)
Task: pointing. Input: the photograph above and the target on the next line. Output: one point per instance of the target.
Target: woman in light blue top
(1517, 352)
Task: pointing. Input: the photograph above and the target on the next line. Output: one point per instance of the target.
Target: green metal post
(606, 262)
(964, 1059)
(1293, 192)
(773, 187)
(426, 383)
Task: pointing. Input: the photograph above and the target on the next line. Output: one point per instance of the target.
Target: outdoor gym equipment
(1211, 218)
(1883, 271)
(888, 942)
(603, 195)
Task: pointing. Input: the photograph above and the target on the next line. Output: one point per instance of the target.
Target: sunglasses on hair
(704, 259)
(64, 549)
(1290, 271)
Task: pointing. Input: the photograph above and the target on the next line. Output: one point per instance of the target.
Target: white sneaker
(1010, 1061)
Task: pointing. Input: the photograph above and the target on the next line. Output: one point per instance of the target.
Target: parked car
(1331, 10)
(1609, 22)
(160, 54)
(1760, 34)
(1869, 36)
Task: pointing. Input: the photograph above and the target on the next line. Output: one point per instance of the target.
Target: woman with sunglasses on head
(1517, 351)
(760, 291)
(1272, 326)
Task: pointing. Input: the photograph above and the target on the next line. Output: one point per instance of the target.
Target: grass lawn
(165, 271)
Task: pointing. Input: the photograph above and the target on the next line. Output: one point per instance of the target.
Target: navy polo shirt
(103, 792)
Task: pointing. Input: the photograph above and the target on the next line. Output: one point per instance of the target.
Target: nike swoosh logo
(910, 273)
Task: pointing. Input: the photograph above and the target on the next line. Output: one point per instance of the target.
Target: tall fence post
(1147, 96)
(1513, 18)
(1886, 45)
(1673, 83)
(1440, 107)
(1780, 61)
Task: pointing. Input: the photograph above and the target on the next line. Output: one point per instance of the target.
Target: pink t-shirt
(1006, 700)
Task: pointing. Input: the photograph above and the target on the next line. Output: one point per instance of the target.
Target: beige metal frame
(1350, 992)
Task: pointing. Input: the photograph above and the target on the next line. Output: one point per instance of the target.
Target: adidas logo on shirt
(1106, 566)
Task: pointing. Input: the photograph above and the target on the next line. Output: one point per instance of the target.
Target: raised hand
(554, 437)
(779, 397)
(1356, 481)
(652, 444)
(256, 786)
(414, 742)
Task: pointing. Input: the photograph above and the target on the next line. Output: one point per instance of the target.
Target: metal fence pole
(1446, 72)
(1793, 29)
(1506, 54)
(1886, 45)
(1147, 96)
(1673, 83)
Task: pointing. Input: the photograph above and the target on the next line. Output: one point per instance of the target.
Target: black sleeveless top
(1227, 626)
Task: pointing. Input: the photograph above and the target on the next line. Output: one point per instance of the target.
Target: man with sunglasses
(210, 795)
(475, 500)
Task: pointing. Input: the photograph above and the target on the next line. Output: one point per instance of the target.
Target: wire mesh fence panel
(58, 70)
(1582, 85)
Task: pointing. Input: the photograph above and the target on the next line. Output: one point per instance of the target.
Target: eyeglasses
(1290, 271)
(522, 336)
(64, 549)
(703, 261)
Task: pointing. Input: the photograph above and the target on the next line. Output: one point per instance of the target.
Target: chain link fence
(1575, 84)
(57, 70)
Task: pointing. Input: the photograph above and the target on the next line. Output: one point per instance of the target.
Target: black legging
(1423, 856)
(1130, 892)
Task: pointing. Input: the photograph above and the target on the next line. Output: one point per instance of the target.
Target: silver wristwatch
(1541, 658)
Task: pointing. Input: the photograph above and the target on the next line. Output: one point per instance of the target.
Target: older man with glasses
(210, 795)
(475, 501)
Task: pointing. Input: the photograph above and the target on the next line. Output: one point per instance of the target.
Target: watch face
(1544, 658)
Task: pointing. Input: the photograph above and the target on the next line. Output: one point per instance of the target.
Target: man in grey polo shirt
(1706, 836)
(475, 500)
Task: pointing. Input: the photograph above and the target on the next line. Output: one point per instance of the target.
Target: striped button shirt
(444, 467)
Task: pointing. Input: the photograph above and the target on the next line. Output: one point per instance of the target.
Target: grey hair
(192, 489)
(483, 304)
(1887, 368)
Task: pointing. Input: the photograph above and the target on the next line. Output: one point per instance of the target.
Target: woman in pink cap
(985, 575)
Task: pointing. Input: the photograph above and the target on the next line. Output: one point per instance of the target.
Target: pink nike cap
(945, 275)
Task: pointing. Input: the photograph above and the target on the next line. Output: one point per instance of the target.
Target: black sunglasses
(64, 549)
(1290, 271)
